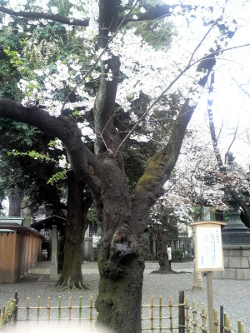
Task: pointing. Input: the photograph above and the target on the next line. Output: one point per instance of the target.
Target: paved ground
(233, 295)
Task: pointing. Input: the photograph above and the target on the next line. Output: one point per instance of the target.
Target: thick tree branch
(84, 162)
(152, 13)
(52, 17)
(97, 60)
(159, 168)
(159, 11)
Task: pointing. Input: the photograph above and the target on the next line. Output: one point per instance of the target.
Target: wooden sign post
(209, 257)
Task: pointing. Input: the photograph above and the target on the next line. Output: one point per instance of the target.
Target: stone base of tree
(236, 263)
(197, 288)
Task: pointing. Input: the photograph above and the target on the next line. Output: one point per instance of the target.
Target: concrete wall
(18, 252)
(88, 250)
(236, 263)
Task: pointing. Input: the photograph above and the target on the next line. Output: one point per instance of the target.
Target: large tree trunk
(162, 248)
(120, 293)
(15, 201)
(120, 259)
(76, 226)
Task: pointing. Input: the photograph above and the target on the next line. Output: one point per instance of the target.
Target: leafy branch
(33, 154)
(60, 175)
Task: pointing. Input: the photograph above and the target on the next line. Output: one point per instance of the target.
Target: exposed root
(64, 284)
(169, 272)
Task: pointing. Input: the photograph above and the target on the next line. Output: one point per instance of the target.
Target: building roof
(11, 219)
(20, 228)
(47, 223)
(2, 231)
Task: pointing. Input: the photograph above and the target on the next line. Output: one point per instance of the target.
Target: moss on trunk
(120, 292)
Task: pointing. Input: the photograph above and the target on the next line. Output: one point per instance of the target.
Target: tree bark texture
(162, 250)
(76, 226)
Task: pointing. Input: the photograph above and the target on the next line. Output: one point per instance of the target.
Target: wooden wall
(18, 252)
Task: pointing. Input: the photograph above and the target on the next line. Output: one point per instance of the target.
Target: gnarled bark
(121, 267)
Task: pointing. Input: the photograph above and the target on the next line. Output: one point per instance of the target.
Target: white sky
(230, 106)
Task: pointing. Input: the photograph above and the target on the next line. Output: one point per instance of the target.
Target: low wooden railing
(159, 317)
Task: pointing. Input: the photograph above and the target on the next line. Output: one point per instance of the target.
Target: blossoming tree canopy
(87, 58)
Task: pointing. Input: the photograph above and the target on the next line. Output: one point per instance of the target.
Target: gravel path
(233, 295)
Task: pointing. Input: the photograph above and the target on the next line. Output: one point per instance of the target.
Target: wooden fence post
(16, 307)
(187, 316)
(221, 320)
(239, 326)
(70, 306)
(215, 321)
(80, 307)
(204, 317)
(38, 307)
(152, 314)
(59, 306)
(48, 308)
(225, 322)
(171, 314)
(91, 312)
(3, 313)
(228, 324)
(194, 316)
(160, 313)
(11, 315)
(181, 312)
(28, 308)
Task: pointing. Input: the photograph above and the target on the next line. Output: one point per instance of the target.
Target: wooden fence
(18, 252)
(181, 317)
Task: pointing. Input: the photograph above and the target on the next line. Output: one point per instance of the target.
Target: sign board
(208, 246)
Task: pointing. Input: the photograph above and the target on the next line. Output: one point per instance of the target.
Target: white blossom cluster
(145, 69)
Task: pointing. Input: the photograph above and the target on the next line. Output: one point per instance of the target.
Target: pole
(181, 312)
(210, 301)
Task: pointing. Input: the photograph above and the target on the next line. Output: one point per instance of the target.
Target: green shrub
(177, 255)
(146, 246)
